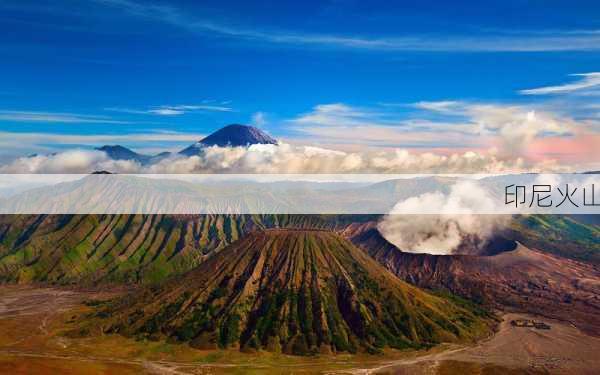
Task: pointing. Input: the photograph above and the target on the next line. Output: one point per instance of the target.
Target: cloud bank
(282, 158)
(72, 161)
(463, 125)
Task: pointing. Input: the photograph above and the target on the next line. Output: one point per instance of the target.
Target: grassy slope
(298, 292)
(560, 235)
(122, 248)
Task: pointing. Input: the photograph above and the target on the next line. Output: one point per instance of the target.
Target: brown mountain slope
(524, 280)
(296, 291)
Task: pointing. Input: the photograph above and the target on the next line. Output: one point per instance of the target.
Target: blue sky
(158, 74)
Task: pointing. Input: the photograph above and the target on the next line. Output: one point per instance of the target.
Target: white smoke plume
(454, 222)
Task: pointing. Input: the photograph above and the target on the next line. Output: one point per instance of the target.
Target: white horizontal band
(438, 194)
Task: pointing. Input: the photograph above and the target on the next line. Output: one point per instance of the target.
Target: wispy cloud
(174, 110)
(385, 115)
(442, 106)
(586, 81)
(166, 112)
(259, 119)
(58, 117)
(381, 126)
(498, 41)
(19, 138)
(443, 124)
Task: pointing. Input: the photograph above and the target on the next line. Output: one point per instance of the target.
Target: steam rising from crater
(453, 224)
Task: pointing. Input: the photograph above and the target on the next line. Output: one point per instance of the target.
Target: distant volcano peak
(118, 152)
(233, 135)
(115, 148)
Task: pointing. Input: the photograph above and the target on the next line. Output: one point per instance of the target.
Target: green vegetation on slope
(111, 248)
(560, 235)
(293, 291)
(125, 248)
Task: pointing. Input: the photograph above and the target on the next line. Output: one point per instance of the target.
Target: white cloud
(379, 127)
(174, 110)
(259, 119)
(282, 158)
(443, 106)
(73, 161)
(515, 126)
(19, 139)
(204, 107)
(166, 112)
(587, 80)
(524, 41)
(286, 158)
(58, 117)
(510, 127)
(339, 114)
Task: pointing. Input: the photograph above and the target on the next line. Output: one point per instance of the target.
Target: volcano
(294, 291)
(233, 135)
(521, 279)
(117, 152)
